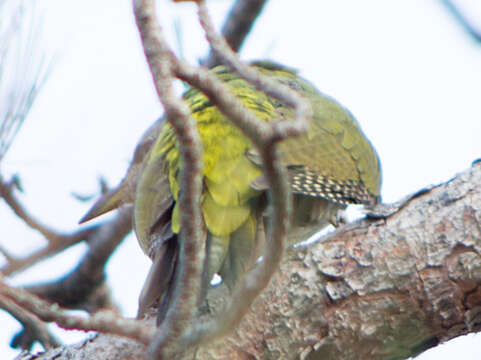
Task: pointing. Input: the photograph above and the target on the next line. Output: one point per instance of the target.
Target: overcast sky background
(406, 69)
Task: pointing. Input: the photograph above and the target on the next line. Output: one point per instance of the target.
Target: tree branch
(376, 289)
(163, 63)
(265, 137)
(24, 69)
(105, 321)
(83, 288)
(34, 328)
(76, 289)
(237, 26)
(192, 250)
(56, 242)
(462, 20)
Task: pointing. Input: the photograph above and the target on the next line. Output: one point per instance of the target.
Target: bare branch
(56, 242)
(76, 290)
(105, 321)
(257, 279)
(34, 328)
(192, 251)
(462, 20)
(23, 70)
(163, 64)
(237, 26)
(279, 130)
(377, 289)
(84, 288)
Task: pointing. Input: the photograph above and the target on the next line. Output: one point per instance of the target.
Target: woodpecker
(329, 167)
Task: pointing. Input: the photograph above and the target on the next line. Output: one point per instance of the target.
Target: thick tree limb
(385, 288)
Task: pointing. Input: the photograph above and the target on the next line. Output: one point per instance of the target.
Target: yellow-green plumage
(329, 167)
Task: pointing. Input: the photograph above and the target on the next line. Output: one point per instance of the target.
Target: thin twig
(7, 193)
(192, 251)
(258, 278)
(163, 64)
(75, 290)
(51, 249)
(84, 287)
(228, 104)
(23, 73)
(279, 129)
(462, 20)
(237, 26)
(6, 254)
(56, 242)
(265, 136)
(105, 321)
(34, 327)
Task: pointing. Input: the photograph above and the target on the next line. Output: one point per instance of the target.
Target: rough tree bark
(377, 289)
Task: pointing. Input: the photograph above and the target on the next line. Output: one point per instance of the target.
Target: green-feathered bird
(331, 166)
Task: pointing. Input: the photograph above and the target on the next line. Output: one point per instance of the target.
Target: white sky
(406, 69)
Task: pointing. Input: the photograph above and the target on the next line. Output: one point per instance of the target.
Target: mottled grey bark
(383, 289)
